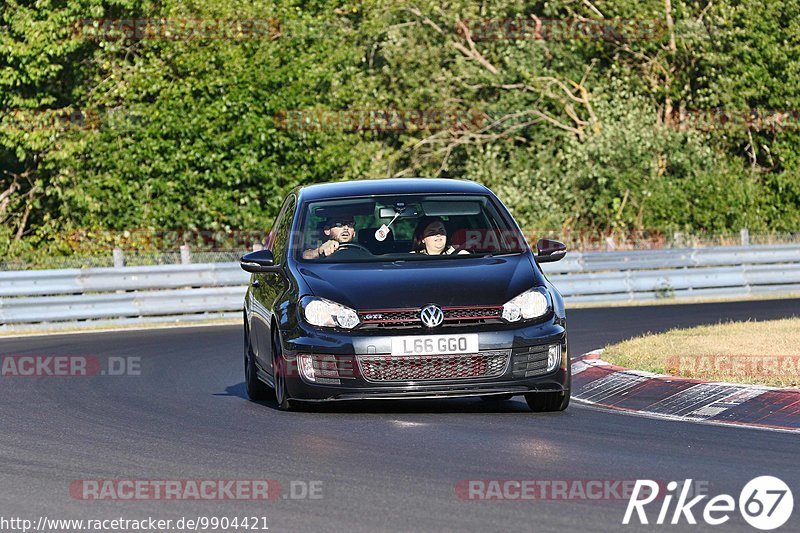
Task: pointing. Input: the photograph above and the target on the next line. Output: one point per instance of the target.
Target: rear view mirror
(549, 251)
(258, 262)
(391, 212)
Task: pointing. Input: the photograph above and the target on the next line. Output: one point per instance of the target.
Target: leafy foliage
(109, 131)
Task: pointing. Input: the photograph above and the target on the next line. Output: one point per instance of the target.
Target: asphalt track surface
(383, 465)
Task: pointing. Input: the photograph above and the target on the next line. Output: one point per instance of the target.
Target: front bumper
(516, 341)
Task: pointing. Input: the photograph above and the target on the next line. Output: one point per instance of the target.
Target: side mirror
(259, 262)
(550, 251)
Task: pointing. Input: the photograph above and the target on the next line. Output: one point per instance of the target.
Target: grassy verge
(55, 329)
(766, 353)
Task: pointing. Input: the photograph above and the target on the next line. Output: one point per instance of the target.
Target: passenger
(430, 238)
(340, 230)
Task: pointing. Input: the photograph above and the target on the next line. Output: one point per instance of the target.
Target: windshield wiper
(503, 253)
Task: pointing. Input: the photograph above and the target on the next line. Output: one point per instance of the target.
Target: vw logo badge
(431, 316)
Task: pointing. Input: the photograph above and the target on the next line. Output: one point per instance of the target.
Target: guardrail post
(745, 233)
(186, 255)
(119, 258)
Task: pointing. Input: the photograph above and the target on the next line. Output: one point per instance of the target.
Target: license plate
(435, 344)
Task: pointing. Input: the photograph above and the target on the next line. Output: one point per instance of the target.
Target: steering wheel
(355, 246)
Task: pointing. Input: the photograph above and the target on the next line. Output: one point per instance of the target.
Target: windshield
(405, 227)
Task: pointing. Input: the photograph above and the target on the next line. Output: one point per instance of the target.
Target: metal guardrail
(89, 280)
(675, 258)
(126, 292)
(194, 291)
(677, 273)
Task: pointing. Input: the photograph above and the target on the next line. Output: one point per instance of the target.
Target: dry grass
(766, 353)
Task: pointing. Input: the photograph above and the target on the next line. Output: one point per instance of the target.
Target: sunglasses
(436, 229)
(342, 223)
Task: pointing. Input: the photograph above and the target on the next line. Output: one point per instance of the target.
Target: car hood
(410, 284)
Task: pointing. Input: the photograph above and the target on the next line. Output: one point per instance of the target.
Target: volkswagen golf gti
(399, 289)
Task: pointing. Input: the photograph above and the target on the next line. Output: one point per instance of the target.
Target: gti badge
(431, 316)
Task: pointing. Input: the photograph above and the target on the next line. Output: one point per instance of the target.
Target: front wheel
(541, 402)
(279, 372)
(256, 389)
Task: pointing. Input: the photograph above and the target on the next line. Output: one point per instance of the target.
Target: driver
(339, 230)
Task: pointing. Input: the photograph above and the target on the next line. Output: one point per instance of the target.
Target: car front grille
(404, 318)
(385, 368)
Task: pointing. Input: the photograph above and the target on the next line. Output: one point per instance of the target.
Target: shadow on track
(239, 390)
(444, 406)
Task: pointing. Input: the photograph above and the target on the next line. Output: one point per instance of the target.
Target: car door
(268, 287)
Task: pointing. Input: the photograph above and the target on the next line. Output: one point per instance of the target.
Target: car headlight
(532, 303)
(328, 314)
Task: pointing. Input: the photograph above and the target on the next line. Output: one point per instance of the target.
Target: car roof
(342, 189)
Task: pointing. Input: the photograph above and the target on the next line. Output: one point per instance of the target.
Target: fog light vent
(536, 360)
(553, 357)
(324, 369)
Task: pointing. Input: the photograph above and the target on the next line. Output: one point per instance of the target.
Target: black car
(398, 289)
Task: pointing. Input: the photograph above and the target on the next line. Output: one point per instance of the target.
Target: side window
(270, 240)
(280, 232)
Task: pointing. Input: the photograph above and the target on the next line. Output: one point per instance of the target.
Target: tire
(497, 398)
(541, 402)
(279, 370)
(256, 389)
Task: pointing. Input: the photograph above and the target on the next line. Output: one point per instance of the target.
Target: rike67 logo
(765, 503)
